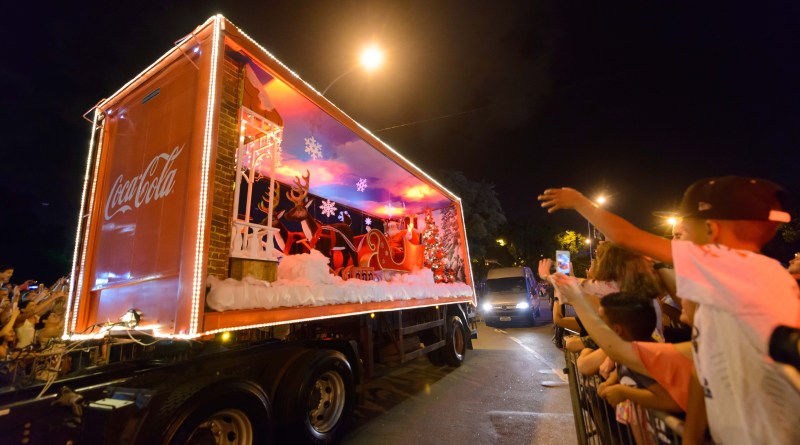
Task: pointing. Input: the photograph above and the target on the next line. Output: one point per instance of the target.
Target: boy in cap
(742, 296)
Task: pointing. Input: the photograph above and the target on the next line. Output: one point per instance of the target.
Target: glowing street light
(588, 241)
(601, 200)
(371, 58)
(672, 221)
(501, 241)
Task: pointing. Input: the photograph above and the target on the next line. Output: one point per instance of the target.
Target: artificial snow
(304, 280)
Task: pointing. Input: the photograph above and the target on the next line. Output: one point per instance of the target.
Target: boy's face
(614, 327)
(5, 275)
(695, 230)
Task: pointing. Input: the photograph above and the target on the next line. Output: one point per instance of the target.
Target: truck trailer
(247, 256)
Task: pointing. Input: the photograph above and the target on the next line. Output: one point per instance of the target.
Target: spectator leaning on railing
(742, 296)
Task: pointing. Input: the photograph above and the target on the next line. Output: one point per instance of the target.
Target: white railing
(254, 241)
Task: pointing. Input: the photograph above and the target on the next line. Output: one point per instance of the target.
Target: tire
(233, 417)
(455, 347)
(315, 398)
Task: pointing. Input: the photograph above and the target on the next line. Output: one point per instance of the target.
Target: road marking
(557, 372)
(530, 414)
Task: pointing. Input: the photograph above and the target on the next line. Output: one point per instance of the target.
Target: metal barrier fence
(596, 420)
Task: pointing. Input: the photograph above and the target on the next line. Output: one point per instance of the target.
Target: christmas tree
(434, 252)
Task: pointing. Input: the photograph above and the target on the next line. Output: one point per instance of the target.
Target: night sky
(632, 99)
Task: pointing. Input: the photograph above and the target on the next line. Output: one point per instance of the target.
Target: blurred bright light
(501, 241)
(523, 305)
(588, 241)
(487, 307)
(672, 220)
(601, 200)
(371, 58)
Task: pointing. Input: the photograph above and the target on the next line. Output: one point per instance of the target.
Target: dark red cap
(735, 198)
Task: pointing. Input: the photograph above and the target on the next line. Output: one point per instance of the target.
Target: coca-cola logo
(156, 181)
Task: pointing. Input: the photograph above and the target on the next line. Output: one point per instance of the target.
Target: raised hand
(544, 268)
(561, 198)
(568, 287)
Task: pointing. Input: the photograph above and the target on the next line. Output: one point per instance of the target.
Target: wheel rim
(229, 426)
(458, 341)
(326, 403)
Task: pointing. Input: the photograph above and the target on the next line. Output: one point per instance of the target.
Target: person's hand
(544, 267)
(574, 344)
(24, 286)
(561, 198)
(614, 394)
(568, 287)
(606, 367)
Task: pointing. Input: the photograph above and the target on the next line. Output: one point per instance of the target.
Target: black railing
(596, 420)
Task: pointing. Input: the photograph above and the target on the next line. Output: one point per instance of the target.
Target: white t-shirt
(742, 297)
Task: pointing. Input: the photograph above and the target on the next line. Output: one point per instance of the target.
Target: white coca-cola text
(150, 185)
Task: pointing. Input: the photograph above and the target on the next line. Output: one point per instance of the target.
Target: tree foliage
(483, 214)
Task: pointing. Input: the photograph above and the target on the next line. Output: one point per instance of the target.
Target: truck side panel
(146, 200)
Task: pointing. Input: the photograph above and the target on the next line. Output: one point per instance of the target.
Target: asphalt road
(497, 396)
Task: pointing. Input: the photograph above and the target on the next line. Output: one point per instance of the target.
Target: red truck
(246, 257)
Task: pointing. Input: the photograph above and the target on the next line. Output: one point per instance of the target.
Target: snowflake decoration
(341, 215)
(328, 208)
(368, 221)
(361, 185)
(313, 148)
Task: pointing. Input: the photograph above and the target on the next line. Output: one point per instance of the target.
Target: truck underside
(294, 382)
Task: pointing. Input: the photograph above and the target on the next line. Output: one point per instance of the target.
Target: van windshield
(510, 284)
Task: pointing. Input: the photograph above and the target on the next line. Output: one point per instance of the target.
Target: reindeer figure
(318, 235)
(263, 205)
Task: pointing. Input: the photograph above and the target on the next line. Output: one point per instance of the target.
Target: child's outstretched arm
(618, 349)
(615, 228)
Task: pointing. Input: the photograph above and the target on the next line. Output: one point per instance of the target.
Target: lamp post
(371, 58)
(600, 201)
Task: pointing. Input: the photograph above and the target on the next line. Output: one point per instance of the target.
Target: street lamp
(371, 58)
(600, 201)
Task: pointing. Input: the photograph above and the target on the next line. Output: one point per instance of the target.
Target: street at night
(502, 394)
(379, 221)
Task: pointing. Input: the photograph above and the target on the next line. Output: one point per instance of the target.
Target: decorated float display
(225, 193)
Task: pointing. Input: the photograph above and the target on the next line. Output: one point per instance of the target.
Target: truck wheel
(456, 342)
(230, 419)
(316, 397)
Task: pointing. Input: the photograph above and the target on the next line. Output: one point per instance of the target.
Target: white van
(511, 295)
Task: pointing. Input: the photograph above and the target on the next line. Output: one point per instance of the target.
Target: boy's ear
(713, 229)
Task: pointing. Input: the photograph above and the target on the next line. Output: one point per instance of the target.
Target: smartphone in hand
(562, 261)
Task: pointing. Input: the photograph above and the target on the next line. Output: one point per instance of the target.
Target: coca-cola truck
(247, 256)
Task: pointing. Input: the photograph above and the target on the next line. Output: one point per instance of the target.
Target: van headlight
(487, 307)
(523, 305)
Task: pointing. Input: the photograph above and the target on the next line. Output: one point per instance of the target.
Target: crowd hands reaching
(31, 320)
(703, 324)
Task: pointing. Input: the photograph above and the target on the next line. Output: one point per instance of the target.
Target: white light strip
(72, 287)
(302, 320)
(466, 250)
(411, 164)
(88, 229)
(158, 334)
(197, 284)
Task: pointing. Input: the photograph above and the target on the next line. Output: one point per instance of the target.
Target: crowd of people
(685, 325)
(31, 316)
